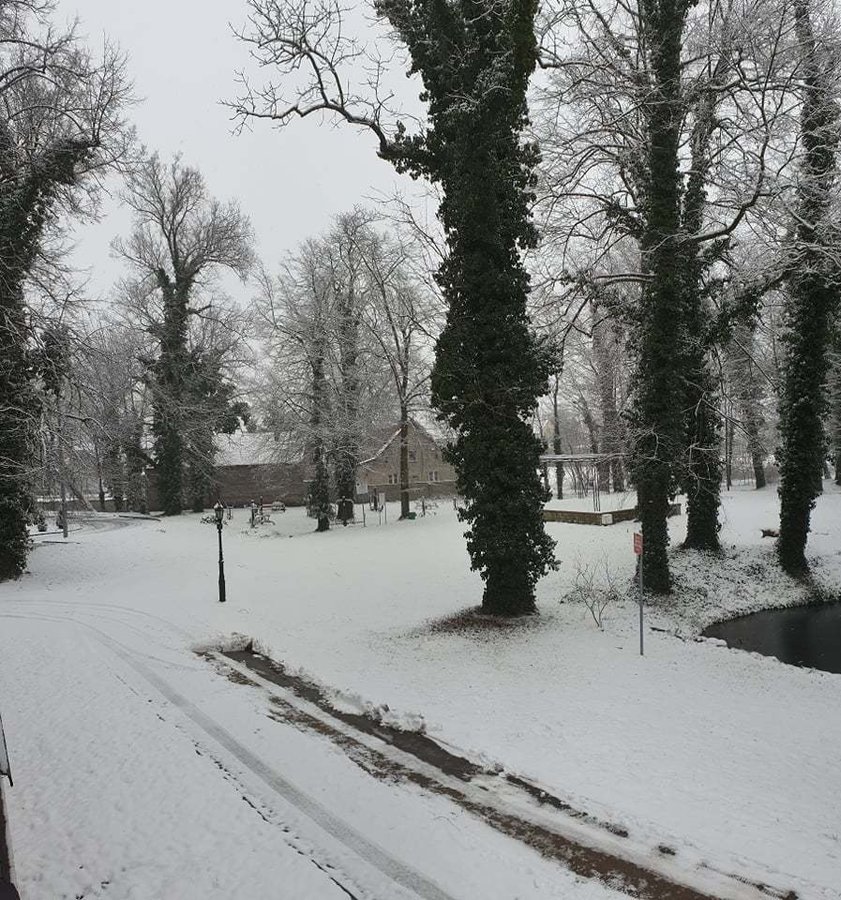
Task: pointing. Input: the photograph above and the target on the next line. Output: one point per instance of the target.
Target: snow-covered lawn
(728, 758)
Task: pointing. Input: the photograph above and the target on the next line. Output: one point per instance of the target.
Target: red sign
(638, 544)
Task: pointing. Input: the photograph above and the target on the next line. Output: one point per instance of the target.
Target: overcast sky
(182, 59)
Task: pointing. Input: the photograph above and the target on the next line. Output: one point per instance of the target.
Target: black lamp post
(219, 510)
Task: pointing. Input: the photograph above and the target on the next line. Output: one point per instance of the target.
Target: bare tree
(401, 319)
(294, 310)
(333, 352)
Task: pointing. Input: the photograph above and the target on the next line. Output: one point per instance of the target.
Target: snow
(607, 502)
(727, 757)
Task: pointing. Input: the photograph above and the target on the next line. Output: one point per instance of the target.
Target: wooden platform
(589, 517)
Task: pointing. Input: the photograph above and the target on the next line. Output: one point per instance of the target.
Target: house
(250, 466)
(429, 474)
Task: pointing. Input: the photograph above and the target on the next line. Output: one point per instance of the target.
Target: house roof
(244, 448)
(384, 437)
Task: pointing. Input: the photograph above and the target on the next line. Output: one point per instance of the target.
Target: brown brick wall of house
(240, 485)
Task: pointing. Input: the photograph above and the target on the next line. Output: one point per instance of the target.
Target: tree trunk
(835, 405)
(748, 390)
(604, 352)
(25, 202)
(556, 437)
(99, 479)
(756, 459)
(404, 462)
(17, 401)
(489, 368)
(812, 303)
(729, 436)
(199, 474)
(703, 477)
(134, 481)
(347, 453)
(168, 397)
(802, 436)
(659, 396)
(320, 490)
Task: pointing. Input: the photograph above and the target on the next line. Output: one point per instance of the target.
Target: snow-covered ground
(728, 758)
(606, 502)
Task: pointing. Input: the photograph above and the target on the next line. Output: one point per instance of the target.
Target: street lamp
(219, 510)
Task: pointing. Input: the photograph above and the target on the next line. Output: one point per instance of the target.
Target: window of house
(413, 455)
(433, 476)
(392, 478)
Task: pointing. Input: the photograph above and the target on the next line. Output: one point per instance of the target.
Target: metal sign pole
(639, 550)
(642, 557)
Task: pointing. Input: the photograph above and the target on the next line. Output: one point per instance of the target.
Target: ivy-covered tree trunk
(199, 473)
(170, 370)
(135, 465)
(835, 402)
(17, 402)
(812, 304)
(659, 395)
(346, 456)
(476, 59)
(26, 198)
(703, 464)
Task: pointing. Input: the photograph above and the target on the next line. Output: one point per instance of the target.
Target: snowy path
(133, 759)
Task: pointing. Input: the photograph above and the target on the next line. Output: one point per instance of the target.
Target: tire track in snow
(399, 874)
(585, 846)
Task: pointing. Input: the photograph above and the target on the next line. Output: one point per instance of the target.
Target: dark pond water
(801, 636)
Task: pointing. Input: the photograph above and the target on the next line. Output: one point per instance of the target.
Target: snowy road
(141, 773)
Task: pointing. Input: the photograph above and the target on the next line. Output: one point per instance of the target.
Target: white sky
(182, 59)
